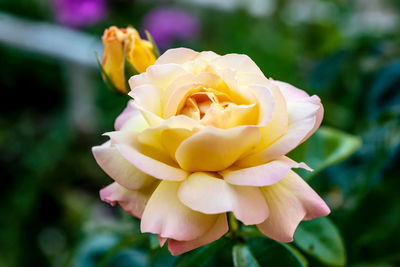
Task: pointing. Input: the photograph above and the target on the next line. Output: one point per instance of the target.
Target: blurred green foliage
(50, 211)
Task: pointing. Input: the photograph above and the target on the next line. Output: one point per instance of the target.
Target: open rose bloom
(205, 135)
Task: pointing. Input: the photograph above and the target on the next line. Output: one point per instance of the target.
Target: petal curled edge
(150, 161)
(292, 93)
(213, 149)
(158, 75)
(168, 217)
(217, 230)
(177, 55)
(302, 120)
(238, 62)
(207, 194)
(132, 202)
(118, 168)
(290, 201)
(261, 175)
(148, 97)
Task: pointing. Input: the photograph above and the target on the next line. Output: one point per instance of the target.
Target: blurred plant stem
(233, 225)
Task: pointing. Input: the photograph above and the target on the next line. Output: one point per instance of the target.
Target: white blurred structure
(75, 51)
(49, 39)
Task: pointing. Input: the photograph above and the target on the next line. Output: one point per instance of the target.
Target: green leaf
(295, 253)
(269, 252)
(321, 239)
(242, 257)
(155, 48)
(201, 256)
(153, 240)
(123, 244)
(326, 147)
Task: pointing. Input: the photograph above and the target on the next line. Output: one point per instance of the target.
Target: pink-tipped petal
(293, 94)
(290, 92)
(161, 240)
(132, 202)
(117, 167)
(168, 217)
(313, 203)
(216, 231)
(130, 119)
(261, 175)
(320, 115)
(290, 201)
(210, 195)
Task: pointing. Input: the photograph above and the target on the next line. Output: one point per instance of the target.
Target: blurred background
(54, 108)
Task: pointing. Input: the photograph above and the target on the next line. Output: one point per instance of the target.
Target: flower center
(200, 102)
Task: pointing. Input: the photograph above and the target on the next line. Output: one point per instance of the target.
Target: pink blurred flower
(167, 25)
(79, 13)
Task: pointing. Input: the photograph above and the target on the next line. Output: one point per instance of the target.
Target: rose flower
(205, 135)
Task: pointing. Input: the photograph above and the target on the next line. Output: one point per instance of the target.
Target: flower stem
(233, 224)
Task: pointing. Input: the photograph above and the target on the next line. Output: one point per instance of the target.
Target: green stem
(233, 224)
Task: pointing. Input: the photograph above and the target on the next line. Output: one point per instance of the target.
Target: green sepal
(151, 40)
(107, 80)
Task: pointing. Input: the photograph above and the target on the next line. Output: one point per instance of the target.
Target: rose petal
(292, 93)
(167, 216)
(231, 116)
(278, 124)
(152, 136)
(151, 119)
(261, 175)
(238, 62)
(217, 230)
(130, 119)
(290, 201)
(158, 75)
(177, 56)
(176, 93)
(213, 149)
(148, 97)
(320, 114)
(208, 194)
(161, 240)
(132, 202)
(117, 167)
(150, 161)
(302, 119)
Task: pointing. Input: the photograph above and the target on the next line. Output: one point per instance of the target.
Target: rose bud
(125, 54)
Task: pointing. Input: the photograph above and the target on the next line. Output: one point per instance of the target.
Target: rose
(205, 135)
(124, 46)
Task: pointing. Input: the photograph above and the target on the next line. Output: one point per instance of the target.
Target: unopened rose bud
(125, 54)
